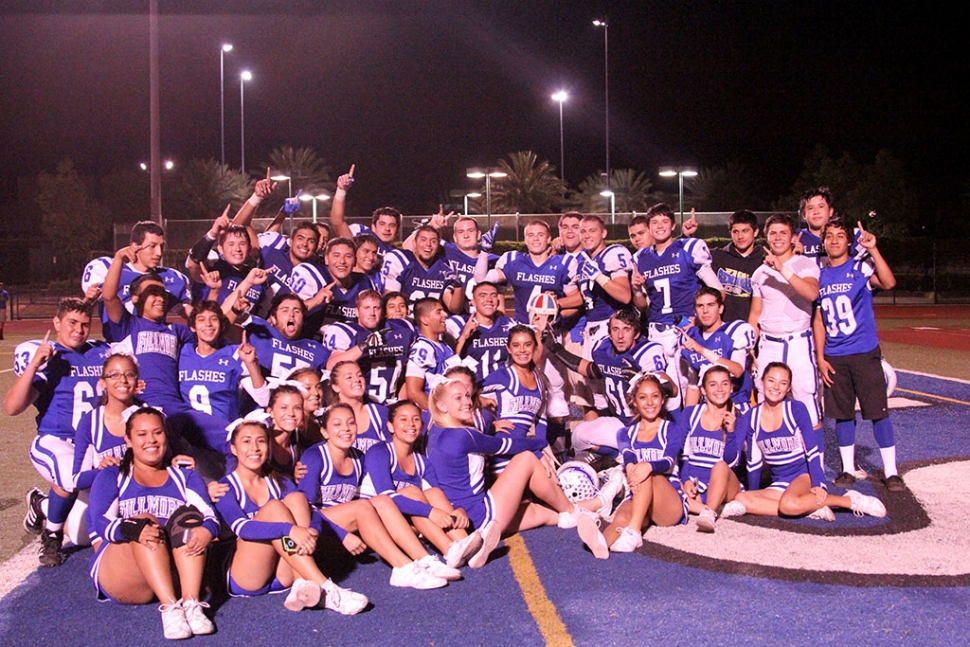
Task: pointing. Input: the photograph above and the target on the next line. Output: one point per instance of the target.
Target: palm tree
(531, 185)
(724, 188)
(204, 187)
(307, 172)
(634, 192)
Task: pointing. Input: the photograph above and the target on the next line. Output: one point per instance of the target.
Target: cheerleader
(649, 449)
(456, 449)
(405, 476)
(334, 470)
(135, 549)
(309, 383)
(276, 531)
(780, 435)
(100, 438)
(712, 449)
(348, 387)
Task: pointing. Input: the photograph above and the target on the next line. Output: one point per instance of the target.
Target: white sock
(848, 458)
(889, 460)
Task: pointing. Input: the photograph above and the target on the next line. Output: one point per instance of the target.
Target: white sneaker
(436, 567)
(608, 493)
(862, 504)
(343, 601)
(491, 535)
(824, 514)
(733, 509)
(461, 549)
(589, 532)
(195, 616)
(570, 519)
(174, 624)
(629, 541)
(411, 575)
(706, 520)
(860, 474)
(303, 594)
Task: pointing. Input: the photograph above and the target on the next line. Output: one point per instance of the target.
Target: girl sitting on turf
(781, 435)
(276, 529)
(456, 451)
(712, 449)
(334, 470)
(134, 548)
(649, 449)
(395, 469)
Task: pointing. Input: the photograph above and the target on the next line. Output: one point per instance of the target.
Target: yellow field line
(540, 606)
(938, 397)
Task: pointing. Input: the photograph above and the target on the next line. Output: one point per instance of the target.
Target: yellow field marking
(938, 397)
(540, 606)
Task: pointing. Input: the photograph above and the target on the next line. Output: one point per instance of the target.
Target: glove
(451, 278)
(588, 269)
(372, 341)
(488, 238)
(292, 205)
(629, 370)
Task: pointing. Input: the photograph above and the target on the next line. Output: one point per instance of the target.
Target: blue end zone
(626, 600)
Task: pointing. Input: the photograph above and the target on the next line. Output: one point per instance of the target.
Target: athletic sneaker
(491, 534)
(462, 549)
(589, 532)
(823, 514)
(436, 567)
(629, 541)
(862, 504)
(733, 509)
(195, 616)
(34, 519)
(411, 575)
(706, 520)
(50, 548)
(303, 593)
(614, 485)
(343, 601)
(174, 624)
(895, 483)
(570, 519)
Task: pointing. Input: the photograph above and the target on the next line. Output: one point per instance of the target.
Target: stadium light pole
(488, 174)
(607, 193)
(167, 165)
(474, 194)
(289, 183)
(226, 48)
(681, 173)
(245, 76)
(561, 97)
(306, 197)
(606, 82)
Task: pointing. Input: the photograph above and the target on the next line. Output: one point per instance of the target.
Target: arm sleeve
(810, 439)
(84, 469)
(103, 519)
(244, 527)
(734, 444)
(503, 444)
(625, 446)
(377, 464)
(755, 460)
(309, 485)
(676, 436)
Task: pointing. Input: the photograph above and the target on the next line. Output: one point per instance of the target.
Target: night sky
(414, 92)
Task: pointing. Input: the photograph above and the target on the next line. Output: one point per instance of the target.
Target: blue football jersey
(528, 279)
(418, 282)
(279, 356)
(67, 384)
(613, 261)
(211, 384)
(731, 341)
(427, 357)
(845, 300)
(646, 357)
(671, 277)
(488, 345)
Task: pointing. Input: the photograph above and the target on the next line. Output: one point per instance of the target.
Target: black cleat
(895, 483)
(34, 519)
(845, 480)
(50, 548)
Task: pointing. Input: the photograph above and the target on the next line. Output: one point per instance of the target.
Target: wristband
(605, 280)
(254, 200)
(787, 273)
(340, 194)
